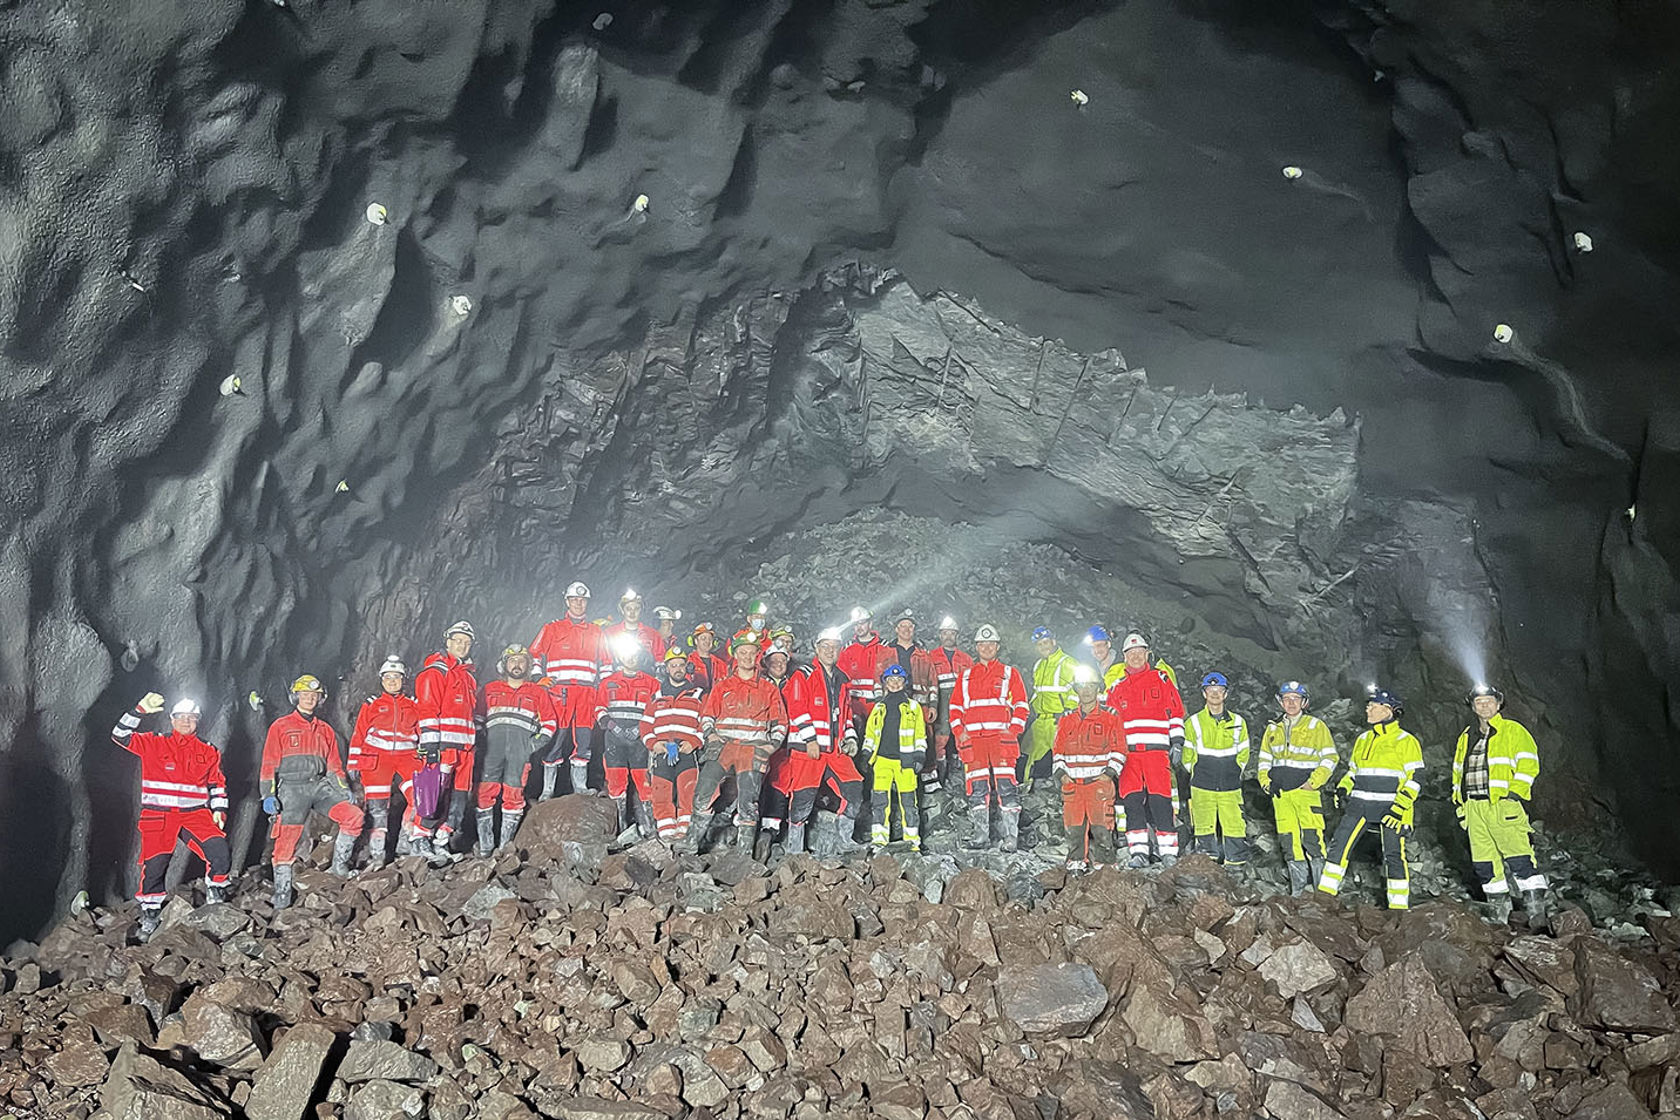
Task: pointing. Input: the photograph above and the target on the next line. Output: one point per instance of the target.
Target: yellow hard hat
(307, 683)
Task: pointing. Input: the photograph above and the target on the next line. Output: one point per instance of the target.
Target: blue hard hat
(1215, 679)
(1292, 688)
(1098, 634)
(1375, 694)
(1041, 633)
(892, 671)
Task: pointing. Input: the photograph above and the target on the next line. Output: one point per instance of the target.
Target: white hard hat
(630, 596)
(861, 614)
(462, 627)
(1134, 640)
(185, 708)
(987, 633)
(1084, 674)
(577, 590)
(947, 623)
(669, 614)
(393, 664)
(832, 634)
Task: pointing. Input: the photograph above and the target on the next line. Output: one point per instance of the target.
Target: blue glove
(271, 806)
(672, 749)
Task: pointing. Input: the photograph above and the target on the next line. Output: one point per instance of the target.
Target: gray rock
(385, 1100)
(286, 1083)
(218, 921)
(1298, 967)
(602, 1055)
(1613, 1102)
(1286, 1100)
(384, 1061)
(220, 1034)
(478, 907)
(595, 1108)
(1054, 999)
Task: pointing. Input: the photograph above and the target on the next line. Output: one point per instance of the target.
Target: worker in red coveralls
(670, 730)
(742, 720)
(1152, 715)
(705, 668)
(519, 721)
(302, 772)
(988, 715)
(1089, 753)
(665, 620)
(571, 653)
(621, 699)
(385, 752)
(631, 625)
(821, 745)
(858, 661)
(949, 663)
(446, 693)
(777, 661)
(182, 793)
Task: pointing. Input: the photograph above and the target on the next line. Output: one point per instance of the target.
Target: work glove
(672, 750)
(714, 742)
(220, 817)
(431, 753)
(1463, 818)
(1338, 797)
(913, 761)
(151, 703)
(1392, 820)
(1275, 791)
(1175, 753)
(271, 806)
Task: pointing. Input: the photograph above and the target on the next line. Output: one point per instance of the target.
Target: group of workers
(704, 735)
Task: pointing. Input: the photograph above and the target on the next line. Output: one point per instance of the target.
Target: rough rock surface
(519, 370)
(377, 998)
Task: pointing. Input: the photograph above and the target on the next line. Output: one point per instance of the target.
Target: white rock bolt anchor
(1503, 333)
(377, 214)
(1079, 98)
(1292, 172)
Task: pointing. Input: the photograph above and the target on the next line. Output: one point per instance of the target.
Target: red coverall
(447, 695)
(818, 712)
(988, 715)
(621, 699)
(301, 767)
(652, 641)
(181, 786)
(1152, 714)
(1089, 752)
(385, 751)
(948, 665)
(772, 795)
(572, 654)
(750, 718)
(519, 719)
(857, 661)
(673, 717)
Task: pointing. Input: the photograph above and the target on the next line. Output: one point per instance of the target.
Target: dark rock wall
(686, 396)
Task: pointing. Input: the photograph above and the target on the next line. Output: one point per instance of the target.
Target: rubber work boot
(1299, 876)
(1138, 861)
(1169, 859)
(150, 916)
(510, 825)
(1315, 866)
(1538, 912)
(644, 820)
(343, 847)
(376, 849)
(437, 852)
(697, 833)
(761, 845)
(486, 831)
(845, 838)
(282, 887)
(405, 844)
(795, 839)
(744, 835)
(214, 894)
(980, 830)
(551, 781)
(621, 814)
(1009, 828)
(580, 775)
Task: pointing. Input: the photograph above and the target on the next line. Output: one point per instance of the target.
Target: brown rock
(1613, 1102)
(1653, 1051)
(900, 1101)
(602, 1055)
(1402, 1002)
(385, 1100)
(220, 1034)
(141, 1087)
(1541, 960)
(79, 1063)
(575, 819)
(1165, 1027)
(1298, 967)
(117, 1025)
(596, 1108)
(1052, 999)
(287, 1080)
(1617, 994)
(384, 1061)
(972, 889)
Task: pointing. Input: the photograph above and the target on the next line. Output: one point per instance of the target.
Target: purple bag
(429, 784)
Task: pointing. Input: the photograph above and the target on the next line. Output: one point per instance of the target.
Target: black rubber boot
(510, 826)
(150, 916)
(282, 897)
(343, 847)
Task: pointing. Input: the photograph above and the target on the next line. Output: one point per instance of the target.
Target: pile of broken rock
(574, 983)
